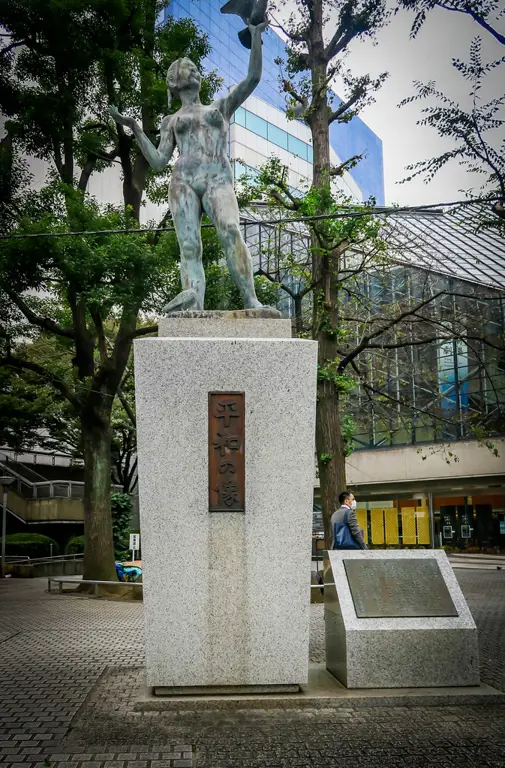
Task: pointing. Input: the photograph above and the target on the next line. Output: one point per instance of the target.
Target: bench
(61, 580)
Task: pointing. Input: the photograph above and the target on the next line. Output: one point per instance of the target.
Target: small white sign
(135, 541)
(419, 514)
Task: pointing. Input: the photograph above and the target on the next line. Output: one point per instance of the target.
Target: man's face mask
(353, 504)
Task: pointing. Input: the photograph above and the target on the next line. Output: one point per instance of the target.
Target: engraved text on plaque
(226, 452)
(398, 588)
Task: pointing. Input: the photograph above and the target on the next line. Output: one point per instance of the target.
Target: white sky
(428, 57)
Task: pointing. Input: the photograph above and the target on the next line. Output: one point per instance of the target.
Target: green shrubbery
(75, 546)
(121, 507)
(30, 545)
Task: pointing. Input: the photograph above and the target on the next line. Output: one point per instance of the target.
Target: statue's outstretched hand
(257, 29)
(119, 118)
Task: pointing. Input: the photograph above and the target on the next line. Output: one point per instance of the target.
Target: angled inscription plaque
(398, 588)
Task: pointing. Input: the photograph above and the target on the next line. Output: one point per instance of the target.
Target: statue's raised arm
(243, 90)
(158, 158)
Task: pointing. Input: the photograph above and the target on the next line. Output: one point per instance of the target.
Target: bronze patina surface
(398, 588)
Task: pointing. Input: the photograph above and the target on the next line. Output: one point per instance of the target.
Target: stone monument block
(397, 619)
(226, 475)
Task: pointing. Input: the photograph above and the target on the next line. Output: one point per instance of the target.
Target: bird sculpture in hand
(251, 12)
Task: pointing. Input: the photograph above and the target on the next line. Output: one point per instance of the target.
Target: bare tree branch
(342, 109)
(148, 330)
(339, 170)
(127, 407)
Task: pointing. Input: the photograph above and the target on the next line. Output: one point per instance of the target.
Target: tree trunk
(298, 314)
(325, 269)
(330, 450)
(98, 542)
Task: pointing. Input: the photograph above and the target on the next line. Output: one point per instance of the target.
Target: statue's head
(182, 75)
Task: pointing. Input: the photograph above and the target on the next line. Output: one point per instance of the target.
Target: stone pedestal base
(224, 690)
(226, 594)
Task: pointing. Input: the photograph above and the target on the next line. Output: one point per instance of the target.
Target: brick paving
(66, 664)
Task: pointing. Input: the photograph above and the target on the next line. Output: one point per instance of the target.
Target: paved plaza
(69, 667)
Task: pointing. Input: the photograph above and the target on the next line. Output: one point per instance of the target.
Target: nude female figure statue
(202, 178)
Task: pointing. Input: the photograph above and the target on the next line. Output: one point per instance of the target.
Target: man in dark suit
(348, 505)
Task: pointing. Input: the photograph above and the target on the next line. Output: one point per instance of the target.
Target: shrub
(121, 507)
(75, 546)
(30, 545)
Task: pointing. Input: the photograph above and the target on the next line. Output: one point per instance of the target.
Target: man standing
(347, 512)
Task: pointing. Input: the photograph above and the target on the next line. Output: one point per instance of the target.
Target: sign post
(134, 544)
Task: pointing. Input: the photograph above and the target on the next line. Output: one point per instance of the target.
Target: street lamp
(4, 481)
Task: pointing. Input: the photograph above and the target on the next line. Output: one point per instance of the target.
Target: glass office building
(260, 129)
(429, 399)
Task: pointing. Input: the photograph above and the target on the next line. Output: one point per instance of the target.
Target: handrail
(20, 559)
(53, 486)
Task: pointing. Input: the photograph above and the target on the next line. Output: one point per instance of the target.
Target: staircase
(34, 499)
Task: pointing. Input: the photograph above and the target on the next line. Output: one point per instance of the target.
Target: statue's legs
(186, 210)
(220, 204)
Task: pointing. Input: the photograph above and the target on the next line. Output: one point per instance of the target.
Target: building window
(277, 136)
(239, 116)
(256, 124)
(272, 133)
(298, 147)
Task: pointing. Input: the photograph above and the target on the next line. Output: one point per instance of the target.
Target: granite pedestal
(226, 594)
(414, 632)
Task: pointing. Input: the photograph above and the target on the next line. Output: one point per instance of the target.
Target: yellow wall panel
(377, 518)
(423, 525)
(362, 522)
(409, 526)
(391, 525)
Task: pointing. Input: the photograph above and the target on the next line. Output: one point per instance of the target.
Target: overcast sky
(428, 57)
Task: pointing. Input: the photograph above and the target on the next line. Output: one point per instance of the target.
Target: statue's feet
(184, 301)
(253, 304)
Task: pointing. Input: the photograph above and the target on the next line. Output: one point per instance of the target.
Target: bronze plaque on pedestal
(226, 452)
(398, 588)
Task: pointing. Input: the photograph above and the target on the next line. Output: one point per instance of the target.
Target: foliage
(30, 545)
(75, 546)
(61, 66)
(319, 35)
(469, 130)
(476, 134)
(483, 12)
(348, 432)
(28, 412)
(75, 58)
(121, 506)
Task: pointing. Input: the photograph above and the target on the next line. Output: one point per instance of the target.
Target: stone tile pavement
(66, 662)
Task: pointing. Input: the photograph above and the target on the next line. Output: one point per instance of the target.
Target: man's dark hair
(344, 496)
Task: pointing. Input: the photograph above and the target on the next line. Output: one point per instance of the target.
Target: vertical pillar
(226, 586)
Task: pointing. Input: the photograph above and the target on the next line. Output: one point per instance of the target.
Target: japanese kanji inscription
(226, 452)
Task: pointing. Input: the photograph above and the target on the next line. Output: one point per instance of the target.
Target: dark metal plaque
(226, 452)
(398, 588)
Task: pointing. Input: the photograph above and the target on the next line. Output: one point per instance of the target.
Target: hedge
(75, 546)
(30, 545)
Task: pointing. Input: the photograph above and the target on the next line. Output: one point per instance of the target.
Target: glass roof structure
(452, 242)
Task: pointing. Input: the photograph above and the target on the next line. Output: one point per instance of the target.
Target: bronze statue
(202, 178)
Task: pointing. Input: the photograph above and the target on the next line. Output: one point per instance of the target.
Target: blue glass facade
(272, 133)
(230, 59)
